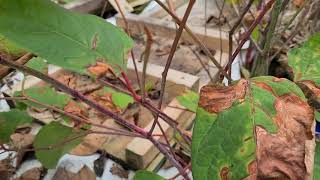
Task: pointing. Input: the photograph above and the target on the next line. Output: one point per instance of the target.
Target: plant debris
(84, 174)
(119, 171)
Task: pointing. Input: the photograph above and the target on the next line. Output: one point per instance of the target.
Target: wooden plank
(84, 6)
(168, 29)
(124, 5)
(140, 152)
(157, 12)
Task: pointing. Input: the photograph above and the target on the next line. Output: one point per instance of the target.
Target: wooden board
(85, 6)
(162, 25)
(167, 29)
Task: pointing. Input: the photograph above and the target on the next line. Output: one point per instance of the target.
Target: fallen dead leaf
(6, 169)
(298, 3)
(76, 109)
(99, 69)
(98, 165)
(81, 83)
(119, 171)
(32, 174)
(84, 174)
(104, 100)
(21, 142)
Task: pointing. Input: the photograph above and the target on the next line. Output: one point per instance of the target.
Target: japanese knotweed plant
(255, 128)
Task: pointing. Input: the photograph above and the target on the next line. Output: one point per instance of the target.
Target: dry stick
(250, 30)
(170, 58)
(98, 107)
(231, 32)
(145, 61)
(196, 39)
(4, 71)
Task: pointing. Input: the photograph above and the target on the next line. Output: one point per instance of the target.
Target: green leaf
(38, 64)
(120, 99)
(146, 175)
(58, 139)
(45, 95)
(9, 122)
(223, 142)
(70, 40)
(305, 60)
(189, 100)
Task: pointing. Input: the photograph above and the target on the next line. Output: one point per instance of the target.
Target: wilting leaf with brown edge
(224, 145)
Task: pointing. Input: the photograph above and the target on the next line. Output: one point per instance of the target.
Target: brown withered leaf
(21, 142)
(76, 109)
(298, 3)
(6, 169)
(282, 155)
(105, 100)
(32, 174)
(119, 171)
(99, 69)
(84, 174)
(81, 83)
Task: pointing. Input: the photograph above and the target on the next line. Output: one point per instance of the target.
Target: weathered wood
(167, 29)
(84, 6)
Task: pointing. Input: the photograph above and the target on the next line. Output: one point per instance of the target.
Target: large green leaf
(189, 100)
(67, 39)
(223, 143)
(305, 60)
(45, 95)
(146, 175)
(9, 122)
(53, 141)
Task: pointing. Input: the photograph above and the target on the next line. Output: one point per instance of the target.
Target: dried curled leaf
(99, 69)
(81, 83)
(224, 145)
